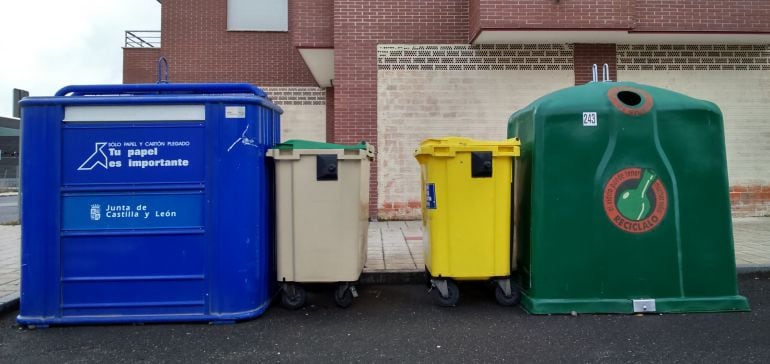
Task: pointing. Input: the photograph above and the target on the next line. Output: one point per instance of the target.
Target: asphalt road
(399, 324)
(9, 209)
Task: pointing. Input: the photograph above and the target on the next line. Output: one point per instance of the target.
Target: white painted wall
(744, 97)
(415, 105)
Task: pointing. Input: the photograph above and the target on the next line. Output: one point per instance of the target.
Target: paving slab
(10, 263)
(752, 242)
(401, 241)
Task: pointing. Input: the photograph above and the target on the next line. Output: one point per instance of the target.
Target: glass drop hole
(629, 98)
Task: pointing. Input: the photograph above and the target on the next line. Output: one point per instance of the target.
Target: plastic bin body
(466, 219)
(322, 225)
(623, 206)
(147, 203)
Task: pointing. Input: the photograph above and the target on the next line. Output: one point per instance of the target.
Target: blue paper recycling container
(147, 203)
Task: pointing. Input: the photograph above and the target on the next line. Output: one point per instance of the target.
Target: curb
(746, 270)
(418, 277)
(392, 277)
(9, 303)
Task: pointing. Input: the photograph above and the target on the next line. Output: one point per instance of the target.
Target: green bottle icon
(633, 204)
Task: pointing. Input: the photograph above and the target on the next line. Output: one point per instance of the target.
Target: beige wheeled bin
(322, 216)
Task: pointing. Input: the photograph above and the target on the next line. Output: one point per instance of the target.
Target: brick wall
(642, 15)
(586, 55)
(702, 15)
(330, 114)
(550, 14)
(304, 111)
(200, 49)
(312, 23)
(359, 25)
(474, 23)
(140, 65)
(752, 200)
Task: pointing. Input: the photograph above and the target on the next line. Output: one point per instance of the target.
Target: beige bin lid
(294, 149)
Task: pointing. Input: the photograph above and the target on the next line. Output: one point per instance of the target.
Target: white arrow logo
(97, 158)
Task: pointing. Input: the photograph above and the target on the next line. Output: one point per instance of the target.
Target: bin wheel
(504, 300)
(343, 297)
(293, 296)
(452, 297)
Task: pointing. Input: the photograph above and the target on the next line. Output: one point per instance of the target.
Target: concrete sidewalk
(10, 257)
(752, 242)
(396, 247)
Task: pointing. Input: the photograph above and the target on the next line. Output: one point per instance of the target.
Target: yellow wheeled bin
(466, 215)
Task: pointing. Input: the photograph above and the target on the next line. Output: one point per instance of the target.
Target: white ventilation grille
(693, 57)
(296, 95)
(485, 57)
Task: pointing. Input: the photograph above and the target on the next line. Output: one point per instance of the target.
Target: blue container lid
(152, 93)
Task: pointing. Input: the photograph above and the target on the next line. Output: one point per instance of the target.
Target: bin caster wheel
(293, 296)
(428, 279)
(343, 296)
(451, 293)
(507, 300)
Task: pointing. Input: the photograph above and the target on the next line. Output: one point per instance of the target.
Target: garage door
(428, 91)
(735, 77)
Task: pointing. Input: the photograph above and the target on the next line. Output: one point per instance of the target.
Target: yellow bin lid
(448, 146)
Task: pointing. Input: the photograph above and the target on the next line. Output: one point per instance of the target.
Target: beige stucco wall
(303, 122)
(415, 105)
(744, 97)
(304, 111)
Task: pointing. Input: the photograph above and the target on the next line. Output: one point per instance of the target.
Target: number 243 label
(589, 119)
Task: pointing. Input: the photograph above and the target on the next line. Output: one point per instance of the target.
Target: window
(258, 15)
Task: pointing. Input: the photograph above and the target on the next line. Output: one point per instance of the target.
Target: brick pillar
(330, 115)
(359, 26)
(586, 55)
(355, 96)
